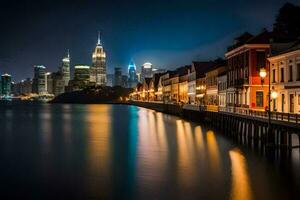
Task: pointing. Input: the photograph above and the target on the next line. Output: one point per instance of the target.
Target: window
(259, 99)
(290, 73)
(273, 75)
(281, 75)
(298, 71)
(260, 59)
(282, 102)
(299, 99)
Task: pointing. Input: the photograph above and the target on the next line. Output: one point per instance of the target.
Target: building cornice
(245, 48)
(284, 55)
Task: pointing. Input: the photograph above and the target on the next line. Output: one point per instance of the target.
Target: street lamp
(273, 95)
(263, 73)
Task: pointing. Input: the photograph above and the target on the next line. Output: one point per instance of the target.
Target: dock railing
(279, 116)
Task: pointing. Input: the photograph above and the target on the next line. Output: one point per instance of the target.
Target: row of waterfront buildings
(49, 84)
(255, 68)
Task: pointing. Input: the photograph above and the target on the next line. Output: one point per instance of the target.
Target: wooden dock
(243, 124)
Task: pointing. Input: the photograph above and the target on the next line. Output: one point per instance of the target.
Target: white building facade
(285, 80)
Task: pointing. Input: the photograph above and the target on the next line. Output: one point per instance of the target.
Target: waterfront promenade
(241, 123)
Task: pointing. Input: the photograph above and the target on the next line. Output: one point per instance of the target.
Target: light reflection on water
(119, 152)
(213, 153)
(98, 146)
(241, 186)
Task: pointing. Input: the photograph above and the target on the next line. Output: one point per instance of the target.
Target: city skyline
(143, 38)
(160, 99)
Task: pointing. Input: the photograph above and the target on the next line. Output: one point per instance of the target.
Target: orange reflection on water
(241, 187)
(186, 155)
(213, 152)
(98, 126)
(161, 132)
(199, 139)
(152, 148)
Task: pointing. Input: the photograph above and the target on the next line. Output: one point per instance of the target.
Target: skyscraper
(6, 85)
(146, 71)
(125, 81)
(58, 82)
(82, 73)
(65, 69)
(118, 77)
(98, 68)
(39, 80)
(23, 87)
(49, 83)
(132, 79)
(110, 80)
(81, 78)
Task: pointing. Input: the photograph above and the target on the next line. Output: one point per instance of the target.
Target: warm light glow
(200, 95)
(98, 123)
(213, 151)
(263, 73)
(186, 154)
(201, 87)
(199, 139)
(241, 187)
(152, 149)
(274, 94)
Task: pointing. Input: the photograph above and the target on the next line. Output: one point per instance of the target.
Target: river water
(127, 152)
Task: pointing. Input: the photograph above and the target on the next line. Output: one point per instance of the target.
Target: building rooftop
(183, 70)
(7, 75)
(281, 48)
(203, 67)
(263, 37)
(82, 67)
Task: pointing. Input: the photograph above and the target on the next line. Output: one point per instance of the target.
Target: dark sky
(168, 33)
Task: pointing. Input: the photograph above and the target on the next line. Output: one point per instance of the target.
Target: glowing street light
(263, 73)
(274, 94)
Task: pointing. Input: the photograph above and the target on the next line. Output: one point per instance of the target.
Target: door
(292, 103)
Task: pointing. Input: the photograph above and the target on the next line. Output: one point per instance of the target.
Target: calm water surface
(126, 152)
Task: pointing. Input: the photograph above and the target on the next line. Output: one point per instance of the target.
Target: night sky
(168, 33)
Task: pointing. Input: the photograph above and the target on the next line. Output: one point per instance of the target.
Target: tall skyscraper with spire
(98, 68)
(65, 69)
